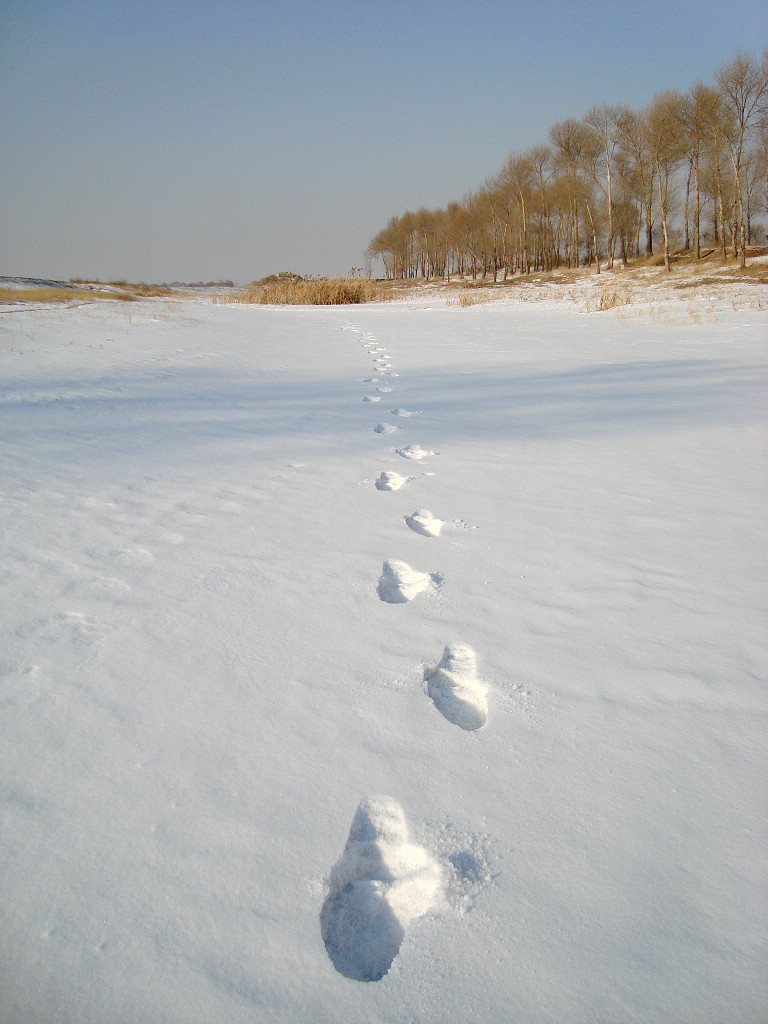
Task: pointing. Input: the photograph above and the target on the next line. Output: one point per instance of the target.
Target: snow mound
(422, 521)
(455, 689)
(389, 481)
(381, 883)
(400, 583)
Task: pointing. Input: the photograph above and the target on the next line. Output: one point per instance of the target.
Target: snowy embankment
(396, 663)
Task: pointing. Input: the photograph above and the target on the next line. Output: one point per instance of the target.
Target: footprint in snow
(455, 689)
(405, 412)
(372, 398)
(389, 481)
(380, 884)
(399, 583)
(384, 391)
(422, 521)
(415, 452)
(386, 428)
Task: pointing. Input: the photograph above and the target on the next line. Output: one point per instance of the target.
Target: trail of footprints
(383, 881)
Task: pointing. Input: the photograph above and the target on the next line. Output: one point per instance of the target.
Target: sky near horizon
(188, 141)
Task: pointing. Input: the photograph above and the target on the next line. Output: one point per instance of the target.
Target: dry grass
(321, 291)
(609, 297)
(143, 291)
(48, 294)
(470, 298)
(82, 291)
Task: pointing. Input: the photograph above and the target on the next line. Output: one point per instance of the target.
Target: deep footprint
(455, 689)
(422, 521)
(381, 883)
(415, 452)
(399, 583)
(389, 481)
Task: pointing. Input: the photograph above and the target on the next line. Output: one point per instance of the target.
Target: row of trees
(691, 168)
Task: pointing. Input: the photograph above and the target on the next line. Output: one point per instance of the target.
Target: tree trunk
(687, 206)
(697, 209)
(662, 204)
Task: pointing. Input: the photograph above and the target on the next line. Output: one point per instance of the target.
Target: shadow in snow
(593, 400)
(191, 409)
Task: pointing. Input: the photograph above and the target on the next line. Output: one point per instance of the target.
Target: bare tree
(743, 85)
(762, 158)
(635, 150)
(516, 179)
(700, 114)
(569, 141)
(663, 118)
(541, 163)
(627, 207)
(604, 121)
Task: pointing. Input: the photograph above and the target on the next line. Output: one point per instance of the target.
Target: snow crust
(199, 683)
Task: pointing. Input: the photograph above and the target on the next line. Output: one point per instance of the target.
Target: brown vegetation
(52, 294)
(80, 290)
(322, 291)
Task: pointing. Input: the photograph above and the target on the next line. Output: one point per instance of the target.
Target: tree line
(689, 170)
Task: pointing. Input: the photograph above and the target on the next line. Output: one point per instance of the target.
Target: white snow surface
(199, 683)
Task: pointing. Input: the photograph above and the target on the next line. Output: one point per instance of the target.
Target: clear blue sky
(166, 140)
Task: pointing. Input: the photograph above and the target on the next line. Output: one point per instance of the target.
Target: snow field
(199, 683)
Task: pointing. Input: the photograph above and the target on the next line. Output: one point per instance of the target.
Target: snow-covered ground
(399, 641)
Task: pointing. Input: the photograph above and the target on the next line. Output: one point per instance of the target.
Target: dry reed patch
(144, 291)
(321, 291)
